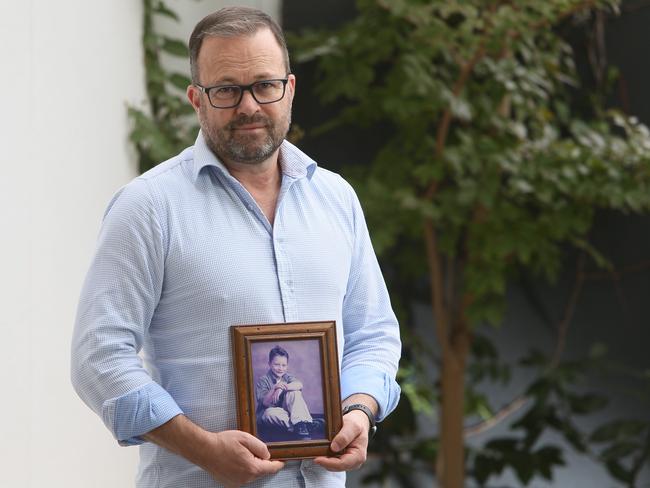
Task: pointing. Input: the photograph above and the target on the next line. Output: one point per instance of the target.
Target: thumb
(256, 446)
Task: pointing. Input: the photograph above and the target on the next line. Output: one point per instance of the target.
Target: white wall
(67, 70)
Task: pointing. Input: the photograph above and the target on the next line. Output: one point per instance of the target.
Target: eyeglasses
(228, 96)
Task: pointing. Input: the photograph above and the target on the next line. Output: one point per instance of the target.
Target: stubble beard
(231, 145)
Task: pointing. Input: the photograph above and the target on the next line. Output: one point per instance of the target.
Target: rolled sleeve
(377, 384)
(139, 412)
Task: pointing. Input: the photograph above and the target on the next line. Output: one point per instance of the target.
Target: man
(241, 228)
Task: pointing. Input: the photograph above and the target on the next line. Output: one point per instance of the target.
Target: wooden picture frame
(312, 361)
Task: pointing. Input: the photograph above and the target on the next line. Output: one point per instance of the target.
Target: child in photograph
(279, 396)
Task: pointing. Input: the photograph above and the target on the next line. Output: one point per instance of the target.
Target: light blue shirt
(185, 252)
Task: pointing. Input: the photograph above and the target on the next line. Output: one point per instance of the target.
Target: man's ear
(194, 96)
(292, 85)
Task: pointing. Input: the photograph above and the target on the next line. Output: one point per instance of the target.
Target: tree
(495, 161)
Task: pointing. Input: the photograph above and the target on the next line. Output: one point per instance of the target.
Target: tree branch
(514, 406)
(618, 273)
(569, 310)
(520, 401)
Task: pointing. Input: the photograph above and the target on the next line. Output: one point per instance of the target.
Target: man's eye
(226, 91)
(266, 85)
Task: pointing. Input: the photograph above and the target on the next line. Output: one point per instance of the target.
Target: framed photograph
(288, 387)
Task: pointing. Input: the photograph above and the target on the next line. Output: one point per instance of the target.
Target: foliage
(557, 400)
(521, 173)
(495, 150)
(625, 448)
(167, 125)
(556, 404)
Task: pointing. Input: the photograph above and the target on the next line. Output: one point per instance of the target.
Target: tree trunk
(454, 339)
(452, 408)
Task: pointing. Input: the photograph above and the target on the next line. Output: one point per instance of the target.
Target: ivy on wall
(168, 124)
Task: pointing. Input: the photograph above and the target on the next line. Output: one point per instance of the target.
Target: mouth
(252, 127)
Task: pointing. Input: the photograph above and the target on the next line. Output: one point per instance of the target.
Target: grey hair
(233, 22)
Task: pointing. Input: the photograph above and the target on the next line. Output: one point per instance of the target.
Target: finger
(345, 436)
(268, 467)
(255, 446)
(346, 462)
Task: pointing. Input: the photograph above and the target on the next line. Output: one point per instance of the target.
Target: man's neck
(262, 180)
(262, 177)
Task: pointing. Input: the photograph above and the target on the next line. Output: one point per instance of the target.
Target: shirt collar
(293, 162)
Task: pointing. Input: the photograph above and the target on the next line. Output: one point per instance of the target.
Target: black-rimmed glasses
(228, 96)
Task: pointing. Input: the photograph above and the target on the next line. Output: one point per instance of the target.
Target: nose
(248, 105)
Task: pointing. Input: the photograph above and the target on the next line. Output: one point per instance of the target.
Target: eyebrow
(232, 81)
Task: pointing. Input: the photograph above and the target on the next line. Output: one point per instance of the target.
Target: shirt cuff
(138, 412)
(379, 385)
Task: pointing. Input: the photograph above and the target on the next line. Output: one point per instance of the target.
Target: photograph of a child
(288, 390)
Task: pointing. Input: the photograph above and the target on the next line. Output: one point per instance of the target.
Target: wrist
(367, 413)
(181, 436)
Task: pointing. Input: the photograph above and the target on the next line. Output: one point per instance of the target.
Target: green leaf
(505, 444)
(572, 435)
(618, 429)
(164, 10)
(426, 449)
(483, 348)
(180, 81)
(588, 403)
(174, 47)
(535, 358)
(524, 468)
(150, 41)
(618, 471)
(620, 450)
(486, 466)
(549, 457)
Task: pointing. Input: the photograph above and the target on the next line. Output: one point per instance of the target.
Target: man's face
(279, 365)
(249, 133)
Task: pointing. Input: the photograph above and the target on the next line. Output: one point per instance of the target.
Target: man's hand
(351, 442)
(231, 457)
(235, 458)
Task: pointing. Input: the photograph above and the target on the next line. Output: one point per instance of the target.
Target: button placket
(284, 272)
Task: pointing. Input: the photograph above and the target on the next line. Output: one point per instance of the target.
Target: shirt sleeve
(118, 299)
(262, 388)
(372, 346)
